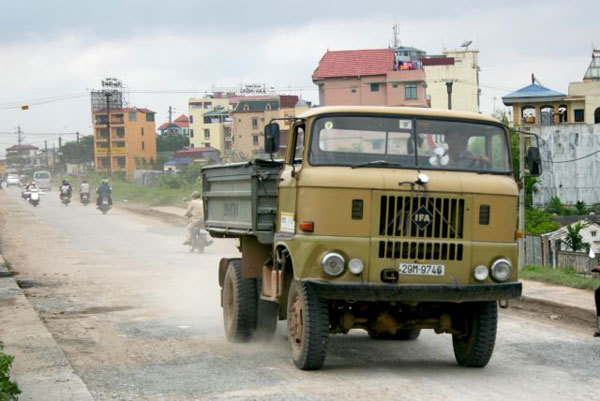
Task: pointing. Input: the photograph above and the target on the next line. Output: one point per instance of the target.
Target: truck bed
(241, 199)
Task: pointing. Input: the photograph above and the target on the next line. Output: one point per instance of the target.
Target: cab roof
(398, 111)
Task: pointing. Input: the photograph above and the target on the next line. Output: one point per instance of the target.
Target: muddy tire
(267, 315)
(308, 326)
(401, 334)
(239, 304)
(474, 348)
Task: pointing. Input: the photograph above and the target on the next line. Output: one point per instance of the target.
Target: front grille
(444, 215)
(410, 250)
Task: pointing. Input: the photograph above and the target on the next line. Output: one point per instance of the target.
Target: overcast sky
(59, 47)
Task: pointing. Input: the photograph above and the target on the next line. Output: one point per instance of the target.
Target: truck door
(286, 210)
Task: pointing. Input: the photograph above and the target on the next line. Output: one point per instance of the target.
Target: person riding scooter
(104, 191)
(84, 189)
(65, 190)
(195, 213)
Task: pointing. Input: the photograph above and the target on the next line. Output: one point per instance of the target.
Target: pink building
(371, 77)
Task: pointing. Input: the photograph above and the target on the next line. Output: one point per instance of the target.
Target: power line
(573, 160)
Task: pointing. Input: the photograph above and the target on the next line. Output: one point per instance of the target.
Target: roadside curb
(555, 310)
(40, 367)
(152, 212)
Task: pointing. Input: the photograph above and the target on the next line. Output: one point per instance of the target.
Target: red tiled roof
(182, 119)
(194, 152)
(437, 61)
(126, 110)
(287, 101)
(354, 63)
(23, 147)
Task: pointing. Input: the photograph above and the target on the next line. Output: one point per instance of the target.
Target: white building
(458, 69)
(590, 234)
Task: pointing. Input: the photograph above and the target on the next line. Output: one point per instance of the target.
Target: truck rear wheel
(239, 304)
(308, 326)
(401, 334)
(475, 346)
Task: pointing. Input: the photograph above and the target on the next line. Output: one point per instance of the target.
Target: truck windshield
(369, 141)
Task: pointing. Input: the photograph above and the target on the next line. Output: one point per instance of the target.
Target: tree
(580, 208)
(538, 221)
(574, 240)
(171, 143)
(78, 152)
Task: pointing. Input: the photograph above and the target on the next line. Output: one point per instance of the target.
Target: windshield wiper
(377, 163)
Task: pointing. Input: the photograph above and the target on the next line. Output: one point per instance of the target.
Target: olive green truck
(390, 220)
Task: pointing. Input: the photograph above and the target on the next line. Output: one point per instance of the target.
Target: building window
(206, 144)
(410, 92)
(255, 140)
(255, 123)
(101, 119)
(206, 133)
(593, 233)
(119, 144)
(246, 107)
(191, 145)
(191, 119)
(103, 161)
(268, 107)
(353, 90)
(191, 133)
(103, 133)
(374, 87)
(143, 146)
(207, 105)
(121, 161)
(579, 116)
(142, 131)
(149, 116)
(102, 145)
(120, 132)
(394, 85)
(132, 116)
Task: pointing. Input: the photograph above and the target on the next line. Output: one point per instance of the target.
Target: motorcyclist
(195, 213)
(84, 188)
(65, 189)
(32, 185)
(104, 190)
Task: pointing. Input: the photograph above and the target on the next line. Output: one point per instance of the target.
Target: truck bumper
(416, 292)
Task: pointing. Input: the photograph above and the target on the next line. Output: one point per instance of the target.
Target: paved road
(138, 317)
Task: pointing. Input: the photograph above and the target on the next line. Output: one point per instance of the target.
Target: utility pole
(77, 137)
(19, 156)
(521, 200)
(170, 113)
(60, 154)
(46, 151)
(107, 94)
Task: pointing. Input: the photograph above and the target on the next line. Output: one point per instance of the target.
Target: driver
(459, 154)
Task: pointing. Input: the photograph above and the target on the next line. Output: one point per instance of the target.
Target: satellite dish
(466, 43)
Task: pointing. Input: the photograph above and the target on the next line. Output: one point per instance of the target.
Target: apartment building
(250, 116)
(130, 144)
(210, 123)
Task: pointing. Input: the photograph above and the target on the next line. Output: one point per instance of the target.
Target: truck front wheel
(475, 345)
(239, 303)
(308, 326)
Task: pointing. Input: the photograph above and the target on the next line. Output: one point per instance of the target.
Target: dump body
(241, 199)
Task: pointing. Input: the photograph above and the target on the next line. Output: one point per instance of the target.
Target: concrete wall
(574, 181)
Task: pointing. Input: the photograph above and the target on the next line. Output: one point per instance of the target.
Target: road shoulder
(40, 368)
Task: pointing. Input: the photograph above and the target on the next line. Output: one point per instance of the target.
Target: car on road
(391, 220)
(12, 179)
(42, 179)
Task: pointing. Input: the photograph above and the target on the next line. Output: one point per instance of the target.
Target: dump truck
(390, 220)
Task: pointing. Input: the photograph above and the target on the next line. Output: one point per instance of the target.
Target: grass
(566, 277)
(9, 390)
(124, 191)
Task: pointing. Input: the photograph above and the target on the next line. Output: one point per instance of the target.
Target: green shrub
(539, 221)
(172, 181)
(9, 390)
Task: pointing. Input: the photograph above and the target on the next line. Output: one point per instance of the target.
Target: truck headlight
(501, 270)
(480, 272)
(333, 264)
(356, 266)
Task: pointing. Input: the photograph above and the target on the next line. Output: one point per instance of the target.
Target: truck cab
(391, 220)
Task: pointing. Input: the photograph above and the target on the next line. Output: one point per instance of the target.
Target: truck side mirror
(534, 161)
(272, 134)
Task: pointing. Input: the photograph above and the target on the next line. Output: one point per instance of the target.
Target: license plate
(416, 269)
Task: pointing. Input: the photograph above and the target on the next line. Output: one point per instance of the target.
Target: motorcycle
(65, 199)
(104, 205)
(199, 239)
(84, 198)
(34, 197)
(25, 193)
